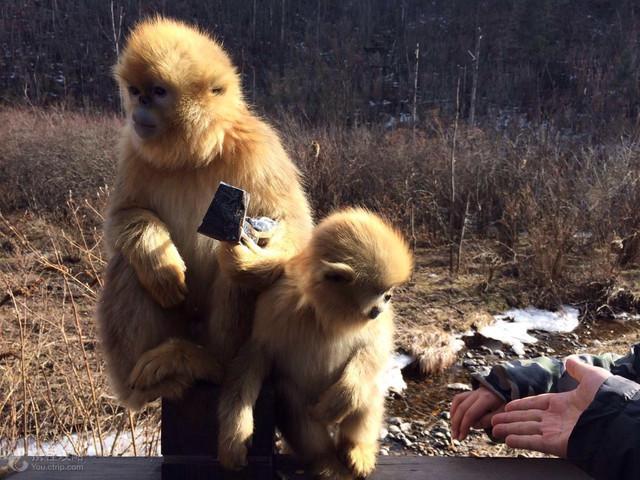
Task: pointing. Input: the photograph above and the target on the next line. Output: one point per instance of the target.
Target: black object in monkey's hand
(226, 220)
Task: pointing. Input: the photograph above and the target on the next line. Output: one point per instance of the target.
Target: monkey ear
(337, 272)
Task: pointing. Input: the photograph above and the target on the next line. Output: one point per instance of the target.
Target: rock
(441, 425)
(446, 415)
(469, 363)
(440, 435)
(394, 420)
(463, 387)
(499, 353)
(406, 427)
(407, 443)
(394, 430)
(384, 451)
(383, 433)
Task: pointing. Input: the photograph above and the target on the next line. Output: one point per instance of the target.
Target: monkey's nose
(145, 99)
(374, 312)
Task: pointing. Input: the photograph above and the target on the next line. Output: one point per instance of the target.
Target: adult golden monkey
(187, 129)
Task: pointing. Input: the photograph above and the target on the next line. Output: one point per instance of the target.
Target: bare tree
(474, 85)
(117, 32)
(415, 89)
(452, 172)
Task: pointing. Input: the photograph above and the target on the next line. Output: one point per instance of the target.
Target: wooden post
(190, 436)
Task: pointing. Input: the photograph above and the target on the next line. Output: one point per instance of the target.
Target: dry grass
(543, 213)
(52, 377)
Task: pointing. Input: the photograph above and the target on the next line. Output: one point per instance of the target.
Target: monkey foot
(362, 459)
(177, 360)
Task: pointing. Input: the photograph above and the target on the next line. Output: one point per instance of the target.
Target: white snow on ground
(113, 443)
(625, 317)
(391, 379)
(512, 327)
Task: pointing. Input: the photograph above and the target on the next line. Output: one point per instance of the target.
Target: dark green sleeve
(524, 378)
(605, 441)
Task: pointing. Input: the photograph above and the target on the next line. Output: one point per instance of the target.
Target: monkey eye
(217, 90)
(135, 91)
(387, 297)
(159, 91)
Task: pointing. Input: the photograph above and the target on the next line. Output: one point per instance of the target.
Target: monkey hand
(341, 399)
(250, 265)
(163, 276)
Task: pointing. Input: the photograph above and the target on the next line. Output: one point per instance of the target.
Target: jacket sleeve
(606, 440)
(524, 378)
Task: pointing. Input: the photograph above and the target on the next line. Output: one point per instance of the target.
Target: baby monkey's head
(180, 92)
(354, 261)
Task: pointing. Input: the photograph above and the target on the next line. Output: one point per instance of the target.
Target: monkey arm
(353, 389)
(282, 199)
(240, 391)
(250, 265)
(145, 242)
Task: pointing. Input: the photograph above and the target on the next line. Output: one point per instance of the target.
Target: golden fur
(164, 285)
(325, 328)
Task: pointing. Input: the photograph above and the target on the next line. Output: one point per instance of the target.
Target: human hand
(473, 409)
(545, 422)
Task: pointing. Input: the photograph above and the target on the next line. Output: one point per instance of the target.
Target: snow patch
(512, 327)
(391, 380)
(116, 443)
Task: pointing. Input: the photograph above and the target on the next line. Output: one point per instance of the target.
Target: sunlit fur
(313, 330)
(162, 275)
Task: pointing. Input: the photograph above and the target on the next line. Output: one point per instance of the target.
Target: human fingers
(539, 402)
(485, 421)
(517, 416)
(473, 414)
(503, 430)
(579, 369)
(457, 400)
(460, 412)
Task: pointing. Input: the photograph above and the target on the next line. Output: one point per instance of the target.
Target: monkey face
(180, 91)
(150, 107)
(355, 259)
(358, 295)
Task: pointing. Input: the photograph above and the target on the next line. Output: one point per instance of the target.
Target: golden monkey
(324, 329)
(187, 129)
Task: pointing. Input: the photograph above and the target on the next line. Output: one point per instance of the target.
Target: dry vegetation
(547, 219)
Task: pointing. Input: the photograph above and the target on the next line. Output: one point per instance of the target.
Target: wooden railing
(189, 433)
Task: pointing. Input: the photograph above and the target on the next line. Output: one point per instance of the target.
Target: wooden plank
(206, 468)
(458, 468)
(90, 468)
(396, 468)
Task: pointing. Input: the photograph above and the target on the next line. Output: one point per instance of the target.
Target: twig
(452, 167)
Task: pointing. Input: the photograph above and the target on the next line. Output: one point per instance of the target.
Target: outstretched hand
(545, 422)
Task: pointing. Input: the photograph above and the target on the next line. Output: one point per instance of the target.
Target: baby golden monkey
(187, 129)
(325, 330)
